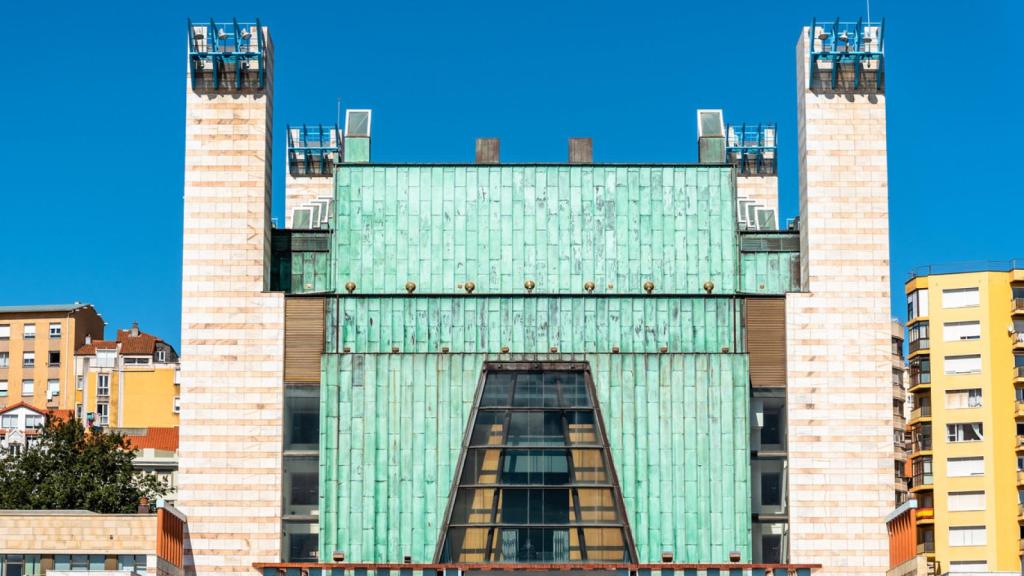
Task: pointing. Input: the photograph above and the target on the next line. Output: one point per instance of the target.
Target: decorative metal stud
(350, 286)
(648, 286)
(589, 287)
(664, 349)
(504, 349)
(410, 286)
(554, 349)
(709, 286)
(346, 349)
(529, 285)
(470, 286)
(394, 349)
(444, 349)
(615, 349)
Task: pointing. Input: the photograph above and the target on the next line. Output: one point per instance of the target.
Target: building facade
(549, 365)
(129, 382)
(37, 350)
(965, 357)
(901, 409)
(67, 542)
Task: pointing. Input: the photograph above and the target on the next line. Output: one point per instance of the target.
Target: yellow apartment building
(129, 382)
(37, 350)
(966, 365)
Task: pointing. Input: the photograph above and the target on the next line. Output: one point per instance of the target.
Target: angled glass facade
(536, 481)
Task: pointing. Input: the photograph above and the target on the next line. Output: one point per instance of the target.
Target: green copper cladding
(401, 369)
(393, 425)
(559, 226)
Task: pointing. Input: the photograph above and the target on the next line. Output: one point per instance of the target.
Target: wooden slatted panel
(766, 342)
(303, 339)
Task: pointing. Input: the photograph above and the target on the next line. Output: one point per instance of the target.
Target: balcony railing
(1018, 371)
(1019, 406)
(1020, 440)
(1018, 338)
(919, 344)
(1017, 305)
(925, 547)
(921, 412)
(920, 378)
(921, 479)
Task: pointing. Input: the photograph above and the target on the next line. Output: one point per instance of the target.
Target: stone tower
(838, 333)
(232, 327)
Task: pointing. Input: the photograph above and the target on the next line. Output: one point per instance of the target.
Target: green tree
(70, 468)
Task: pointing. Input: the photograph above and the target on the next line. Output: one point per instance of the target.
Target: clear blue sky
(93, 114)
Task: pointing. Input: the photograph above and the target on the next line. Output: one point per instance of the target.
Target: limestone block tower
(838, 332)
(232, 327)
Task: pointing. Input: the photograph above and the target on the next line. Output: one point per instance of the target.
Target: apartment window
(3, 388)
(177, 405)
(53, 387)
(28, 359)
(969, 566)
(105, 358)
(103, 413)
(53, 358)
(78, 411)
(917, 303)
(918, 336)
(29, 331)
(921, 437)
(103, 384)
(5, 359)
(1018, 394)
(920, 371)
(9, 421)
(953, 331)
(161, 355)
(34, 421)
(968, 364)
(80, 382)
(968, 466)
(13, 564)
(54, 329)
(966, 535)
(970, 398)
(921, 469)
(966, 501)
(771, 489)
(301, 418)
(5, 331)
(28, 387)
(136, 361)
(960, 297)
(964, 432)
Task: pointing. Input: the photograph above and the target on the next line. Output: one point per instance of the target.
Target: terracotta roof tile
(157, 438)
(90, 349)
(22, 405)
(141, 344)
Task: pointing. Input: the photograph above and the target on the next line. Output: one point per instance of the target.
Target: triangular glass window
(535, 482)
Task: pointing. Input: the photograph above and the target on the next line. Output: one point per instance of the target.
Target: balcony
(919, 380)
(1018, 372)
(921, 412)
(926, 547)
(919, 344)
(1019, 409)
(1018, 340)
(1020, 442)
(924, 481)
(898, 393)
(1017, 305)
(1020, 512)
(1020, 477)
(925, 514)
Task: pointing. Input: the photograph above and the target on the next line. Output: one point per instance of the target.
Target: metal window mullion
(572, 471)
(501, 465)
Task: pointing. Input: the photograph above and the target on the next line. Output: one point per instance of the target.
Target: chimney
(488, 151)
(581, 151)
(135, 328)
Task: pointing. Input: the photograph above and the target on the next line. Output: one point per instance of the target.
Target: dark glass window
(302, 418)
(302, 547)
(771, 489)
(770, 433)
(771, 548)
(536, 483)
